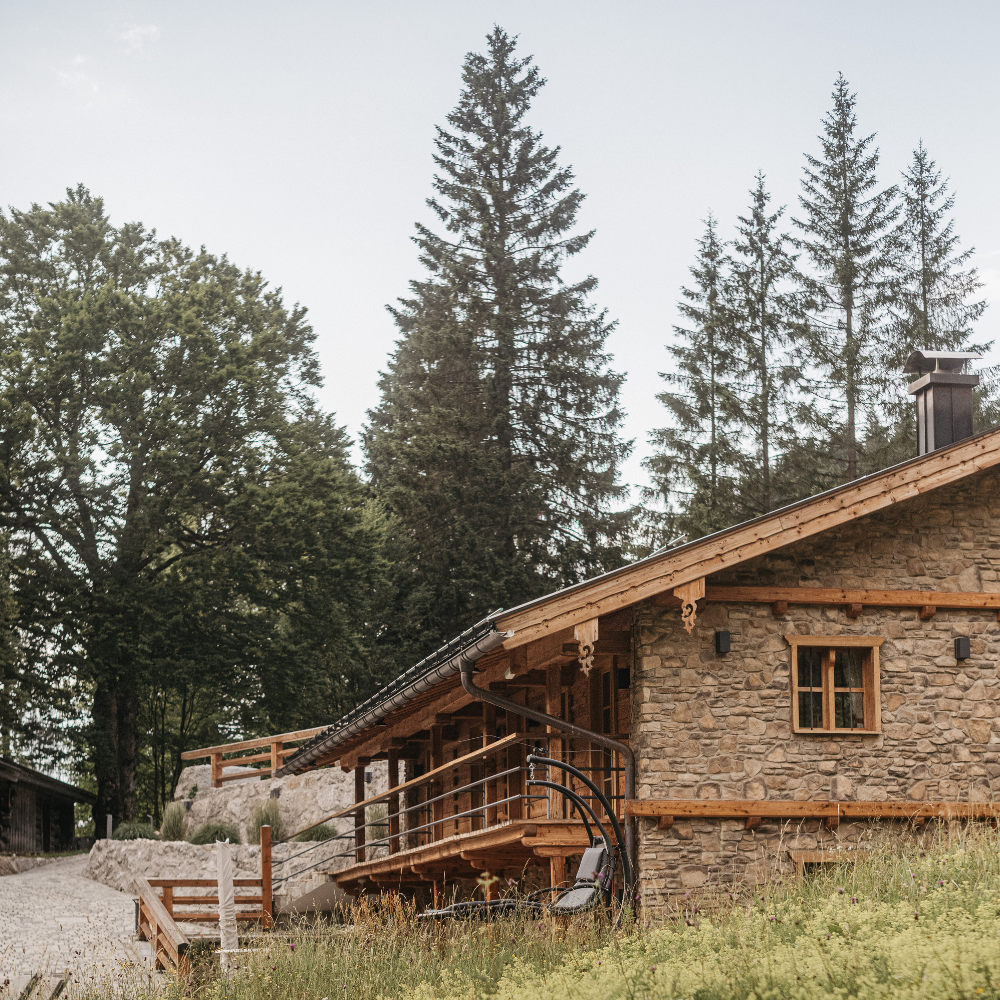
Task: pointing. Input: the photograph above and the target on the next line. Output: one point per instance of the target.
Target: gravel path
(53, 920)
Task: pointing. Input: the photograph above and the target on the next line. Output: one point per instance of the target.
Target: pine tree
(766, 309)
(930, 297)
(847, 234)
(496, 440)
(695, 461)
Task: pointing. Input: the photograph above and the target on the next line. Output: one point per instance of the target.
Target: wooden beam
(798, 809)
(929, 611)
(874, 598)
(711, 555)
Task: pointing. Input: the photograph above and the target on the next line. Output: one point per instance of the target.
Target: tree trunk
(115, 744)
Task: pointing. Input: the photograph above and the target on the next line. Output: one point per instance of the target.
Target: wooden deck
(504, 850)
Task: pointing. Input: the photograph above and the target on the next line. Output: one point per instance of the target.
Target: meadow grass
(905, 921)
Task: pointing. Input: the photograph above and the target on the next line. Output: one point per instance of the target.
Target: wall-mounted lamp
(722, 642)
(368, 777)
(963, 648)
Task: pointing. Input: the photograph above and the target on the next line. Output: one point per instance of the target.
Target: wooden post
(437, 787)
(553, 693)
(359, 815)
(557, 871)
(490, 765)
(393, 803)
(266, 897)
(276, 749)
(216, 770)
(515, 758)
(168, 899)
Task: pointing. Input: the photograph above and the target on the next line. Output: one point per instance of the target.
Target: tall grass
(906, 921)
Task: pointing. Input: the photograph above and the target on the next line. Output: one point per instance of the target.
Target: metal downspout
(567, 727)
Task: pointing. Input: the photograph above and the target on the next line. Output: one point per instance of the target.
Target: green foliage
(172, 827)
(209, 833)
(317, 833)
(695, 461)
(267, 813)
(131, 830)
(165, 477)
(495, 444)
(902, 924)
(847, 235)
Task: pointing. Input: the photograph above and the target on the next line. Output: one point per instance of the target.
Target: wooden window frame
(870, 679)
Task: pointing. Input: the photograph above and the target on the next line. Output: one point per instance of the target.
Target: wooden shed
(36, 811)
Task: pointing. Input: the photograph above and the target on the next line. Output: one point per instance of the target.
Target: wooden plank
(674, 568)
(481, 754)
(209, 901)
(199, 883)
(264, 741)
(165, 926)
(258, 773)
(809, 809)
(874, 598)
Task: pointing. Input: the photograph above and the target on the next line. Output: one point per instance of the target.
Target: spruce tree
(496, 440)
(765, 313)
(931, 305)
(847, 233)
(695, 461)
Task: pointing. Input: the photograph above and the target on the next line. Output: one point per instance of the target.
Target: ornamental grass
(904, 921)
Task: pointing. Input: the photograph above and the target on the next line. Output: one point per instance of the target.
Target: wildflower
(854, 900)
(916, 916)
(840, 891)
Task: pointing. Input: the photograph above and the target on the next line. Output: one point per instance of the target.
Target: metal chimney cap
(937, 361)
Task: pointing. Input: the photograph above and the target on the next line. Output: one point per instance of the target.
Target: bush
(172, 827)
(133, 830)
(209, 833)
(321, 832)
(267, 814)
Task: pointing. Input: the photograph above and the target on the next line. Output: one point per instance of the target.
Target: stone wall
(719, 727)
(117, 863)
(302, 799)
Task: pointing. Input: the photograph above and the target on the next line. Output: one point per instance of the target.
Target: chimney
(943, 396)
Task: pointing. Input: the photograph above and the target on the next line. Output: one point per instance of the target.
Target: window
(835, 683)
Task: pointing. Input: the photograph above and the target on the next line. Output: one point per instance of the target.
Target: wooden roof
(708, 555)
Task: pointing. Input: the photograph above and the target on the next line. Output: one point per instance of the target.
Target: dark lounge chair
(591, 886)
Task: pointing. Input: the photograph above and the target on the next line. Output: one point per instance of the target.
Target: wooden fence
(229, 754)
(158, 913)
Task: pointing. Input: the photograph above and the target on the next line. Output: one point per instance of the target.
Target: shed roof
(19, 774)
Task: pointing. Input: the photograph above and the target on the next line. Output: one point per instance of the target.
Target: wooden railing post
(168, 899)
(216, 770)
(393, 805)
(515, 758)
(266, 898)
(359, 815)
(436, 789)
(276, 756)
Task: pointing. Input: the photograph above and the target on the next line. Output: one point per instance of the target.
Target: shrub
(172, 827)
(133, 830)
(267, 814)
(209, 833)
(321, 832)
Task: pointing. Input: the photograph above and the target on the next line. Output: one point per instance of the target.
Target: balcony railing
(258, 765)
(478, 791)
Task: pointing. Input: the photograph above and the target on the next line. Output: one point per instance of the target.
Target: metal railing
(490, 800)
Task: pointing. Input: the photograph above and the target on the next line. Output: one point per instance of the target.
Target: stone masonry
(719, 727)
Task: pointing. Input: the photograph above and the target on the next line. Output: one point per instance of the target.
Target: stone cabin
(754, 698)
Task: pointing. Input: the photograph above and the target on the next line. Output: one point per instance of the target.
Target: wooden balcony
(478, 812)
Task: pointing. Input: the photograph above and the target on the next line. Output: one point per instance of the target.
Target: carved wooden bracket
(586, 635)
(690, 594)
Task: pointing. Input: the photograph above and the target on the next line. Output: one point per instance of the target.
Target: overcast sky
(296, 137)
